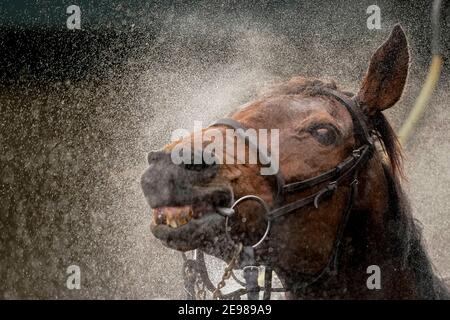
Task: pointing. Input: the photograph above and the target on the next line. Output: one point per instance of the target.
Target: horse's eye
(325, 134)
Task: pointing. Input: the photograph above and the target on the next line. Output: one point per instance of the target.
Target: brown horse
(316, 133)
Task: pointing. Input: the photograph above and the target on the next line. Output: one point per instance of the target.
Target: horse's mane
(405, 233)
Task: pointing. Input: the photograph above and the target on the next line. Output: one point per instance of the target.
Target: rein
(195, 270)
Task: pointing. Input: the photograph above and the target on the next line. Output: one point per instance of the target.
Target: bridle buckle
(357, 153)
(250, 268)
(328, 190)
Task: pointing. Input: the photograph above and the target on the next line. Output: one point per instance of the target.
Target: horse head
(316, 134)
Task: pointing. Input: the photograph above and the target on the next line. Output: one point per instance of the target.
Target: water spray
(432, 79)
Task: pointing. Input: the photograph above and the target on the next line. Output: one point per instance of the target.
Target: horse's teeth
(173, 216)
(173, 223)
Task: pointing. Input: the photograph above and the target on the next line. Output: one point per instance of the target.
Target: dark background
(36, 43)
(80, 109)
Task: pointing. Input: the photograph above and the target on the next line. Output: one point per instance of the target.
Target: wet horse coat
(317, 132)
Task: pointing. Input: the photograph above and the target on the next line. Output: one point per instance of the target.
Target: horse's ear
(384, 81)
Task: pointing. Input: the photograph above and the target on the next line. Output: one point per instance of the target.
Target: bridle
(345, 171)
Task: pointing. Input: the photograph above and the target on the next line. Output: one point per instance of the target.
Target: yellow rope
(422, 100)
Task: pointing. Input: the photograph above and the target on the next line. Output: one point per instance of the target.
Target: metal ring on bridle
(266, 208)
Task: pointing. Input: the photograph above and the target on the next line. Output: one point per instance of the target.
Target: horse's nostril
(198, 163)
(198, 167)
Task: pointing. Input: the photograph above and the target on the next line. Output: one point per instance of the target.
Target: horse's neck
(363, 246)
(368, 241)
(371, 264)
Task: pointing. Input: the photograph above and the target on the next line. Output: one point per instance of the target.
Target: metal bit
(226, 212)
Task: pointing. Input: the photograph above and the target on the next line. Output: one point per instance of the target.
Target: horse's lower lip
(191, 235)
